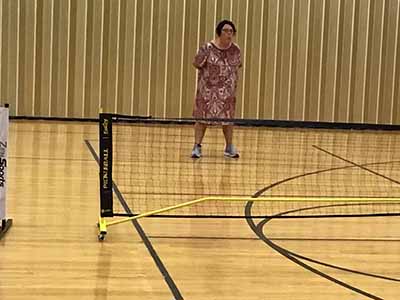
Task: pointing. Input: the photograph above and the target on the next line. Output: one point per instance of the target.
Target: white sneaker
(196, 152)
(231, 152)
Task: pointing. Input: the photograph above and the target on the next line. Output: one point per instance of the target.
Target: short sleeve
(201, 56)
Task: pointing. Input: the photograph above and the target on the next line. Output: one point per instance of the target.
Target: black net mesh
(153, 169)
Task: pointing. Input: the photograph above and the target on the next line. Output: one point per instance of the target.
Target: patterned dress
(217, 81)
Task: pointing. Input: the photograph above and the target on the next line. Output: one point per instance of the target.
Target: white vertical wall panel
(311, 60)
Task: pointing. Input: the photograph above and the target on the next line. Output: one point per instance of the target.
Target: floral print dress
(217, 81)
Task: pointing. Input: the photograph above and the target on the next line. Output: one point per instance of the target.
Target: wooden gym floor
(52, 250)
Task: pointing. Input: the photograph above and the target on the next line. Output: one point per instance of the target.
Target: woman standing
(218, 62)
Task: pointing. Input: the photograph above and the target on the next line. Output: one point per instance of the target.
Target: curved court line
(287, 254)
(291, 255)
(263, 222)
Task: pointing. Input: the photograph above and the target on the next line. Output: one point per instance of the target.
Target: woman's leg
(230, 150)
(199, 131)
(228, 132)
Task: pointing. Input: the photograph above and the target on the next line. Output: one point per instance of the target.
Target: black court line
(163, 270)
(261, 225)
(263, 190)
(184, 237)
(294, 257)
(258, 230)
(357, 165)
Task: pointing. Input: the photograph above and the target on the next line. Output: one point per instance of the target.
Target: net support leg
(102, 228)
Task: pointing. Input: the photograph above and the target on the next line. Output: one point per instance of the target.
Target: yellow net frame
(103, 224)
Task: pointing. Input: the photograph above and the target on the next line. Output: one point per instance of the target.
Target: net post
(105, 163)
(5, 223)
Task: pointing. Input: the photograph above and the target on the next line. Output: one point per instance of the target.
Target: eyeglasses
(228, 30)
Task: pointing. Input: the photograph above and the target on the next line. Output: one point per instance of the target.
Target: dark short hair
(221, 25)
